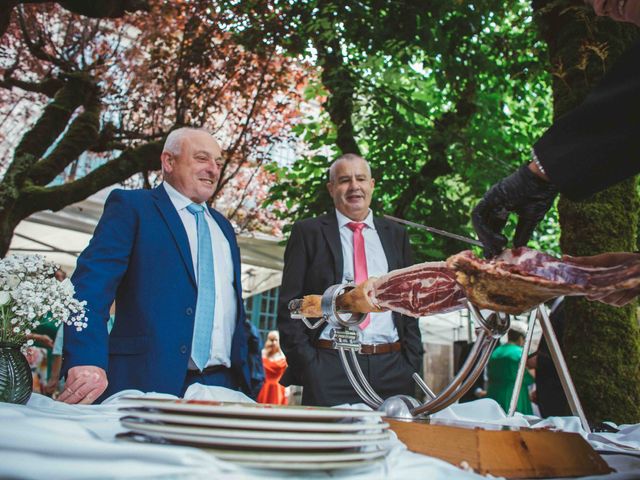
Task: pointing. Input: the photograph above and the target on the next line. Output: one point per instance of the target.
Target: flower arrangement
(31, 295)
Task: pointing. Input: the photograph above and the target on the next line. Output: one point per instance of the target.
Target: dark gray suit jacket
(312, 263)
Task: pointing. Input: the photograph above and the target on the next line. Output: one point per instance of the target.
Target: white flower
(5, 298)
(13, 281)
(28, 287)
(67, 287)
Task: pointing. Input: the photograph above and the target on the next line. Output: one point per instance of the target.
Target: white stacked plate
(261, 436)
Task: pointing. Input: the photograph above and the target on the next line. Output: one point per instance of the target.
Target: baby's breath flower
(30, 295)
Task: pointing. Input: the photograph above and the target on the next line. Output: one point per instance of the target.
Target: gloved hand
(522, 192)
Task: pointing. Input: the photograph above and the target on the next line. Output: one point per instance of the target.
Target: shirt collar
(180, 202)
(343, 220)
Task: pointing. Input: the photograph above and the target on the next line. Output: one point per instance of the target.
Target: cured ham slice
(419, 290)
(519, 279)
(422, 289)
(514, 282)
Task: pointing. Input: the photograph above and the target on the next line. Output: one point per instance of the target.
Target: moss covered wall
(601, 343)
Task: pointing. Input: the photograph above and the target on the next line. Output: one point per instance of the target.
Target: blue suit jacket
(139, 256)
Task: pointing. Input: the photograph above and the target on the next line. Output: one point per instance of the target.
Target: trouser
(325, 382)
(215, 376)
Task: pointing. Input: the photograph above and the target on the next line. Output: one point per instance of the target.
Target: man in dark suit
(320, 253)
(172, 265)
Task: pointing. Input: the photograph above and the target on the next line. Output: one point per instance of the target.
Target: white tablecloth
(53, 440)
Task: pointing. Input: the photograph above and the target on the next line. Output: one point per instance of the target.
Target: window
(262, 311)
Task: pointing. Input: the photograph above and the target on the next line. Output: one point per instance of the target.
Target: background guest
(347, 244)
(275, 363)
(172, 265)
(503, 368)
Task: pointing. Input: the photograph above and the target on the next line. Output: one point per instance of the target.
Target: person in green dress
(503, 368)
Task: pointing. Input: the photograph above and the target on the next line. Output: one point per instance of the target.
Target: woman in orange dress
(275, 364)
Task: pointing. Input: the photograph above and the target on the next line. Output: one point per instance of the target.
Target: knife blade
(435, 230)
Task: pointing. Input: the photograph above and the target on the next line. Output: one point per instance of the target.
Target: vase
(16, 381)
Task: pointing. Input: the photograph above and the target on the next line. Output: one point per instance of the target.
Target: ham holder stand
(573, 456)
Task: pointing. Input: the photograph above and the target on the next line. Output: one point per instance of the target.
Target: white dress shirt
(224, 318)
(381, 329)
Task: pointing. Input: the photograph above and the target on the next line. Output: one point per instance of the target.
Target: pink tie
(359, 261)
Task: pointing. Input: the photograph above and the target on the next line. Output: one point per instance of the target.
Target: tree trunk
(601, 343)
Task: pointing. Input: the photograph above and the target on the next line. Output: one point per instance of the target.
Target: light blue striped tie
(206, 303)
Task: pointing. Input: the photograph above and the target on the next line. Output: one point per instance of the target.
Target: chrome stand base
(346, 339)
(541, 313)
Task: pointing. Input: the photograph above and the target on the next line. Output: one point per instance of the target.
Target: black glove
(522, 192)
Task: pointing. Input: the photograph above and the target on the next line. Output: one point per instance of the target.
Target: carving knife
(435, 230)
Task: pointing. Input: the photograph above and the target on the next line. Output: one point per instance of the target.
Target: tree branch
(49, 126)
(36, 47)
(80, 136)
(130, 162)
(75, 92)
(105, 8)
(244, 191)
(47, 87)
(338, 81)
(448, 126)
(5, 16)
(245, 128)
(339, 104)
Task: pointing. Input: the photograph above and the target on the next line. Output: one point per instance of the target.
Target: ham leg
(519, 279)
(514, 282)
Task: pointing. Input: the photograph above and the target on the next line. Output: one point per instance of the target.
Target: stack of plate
(261, 436)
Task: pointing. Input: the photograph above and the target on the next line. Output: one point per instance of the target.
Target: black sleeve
(294, 340)
(597, 144)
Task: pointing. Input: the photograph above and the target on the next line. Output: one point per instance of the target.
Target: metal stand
(541, 313)
(346, 339)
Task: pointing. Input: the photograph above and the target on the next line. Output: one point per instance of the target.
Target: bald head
(347, 157)
(191, 161)
(175, 139)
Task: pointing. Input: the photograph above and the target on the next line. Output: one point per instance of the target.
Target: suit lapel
(332, 236)
(174, 224)
(384, 233)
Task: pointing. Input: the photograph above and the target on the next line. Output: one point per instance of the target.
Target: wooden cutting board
(524, 453)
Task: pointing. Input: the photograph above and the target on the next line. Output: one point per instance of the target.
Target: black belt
(374, 349)
(211, 369)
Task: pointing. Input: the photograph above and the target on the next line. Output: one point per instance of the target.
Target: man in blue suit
(147, 253)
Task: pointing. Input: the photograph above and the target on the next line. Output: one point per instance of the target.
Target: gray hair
(347, 157)
(173, 143)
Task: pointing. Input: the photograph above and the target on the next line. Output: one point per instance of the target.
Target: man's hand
(51, 386)
(522, 192)
(605, 260)
(84, 384)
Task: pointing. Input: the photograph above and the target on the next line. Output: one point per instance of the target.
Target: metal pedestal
(541, 314)
(345, 335)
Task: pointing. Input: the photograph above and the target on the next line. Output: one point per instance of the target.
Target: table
(53, 440)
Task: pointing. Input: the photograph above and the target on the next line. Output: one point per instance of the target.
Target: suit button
(189, 311)
(183, 349)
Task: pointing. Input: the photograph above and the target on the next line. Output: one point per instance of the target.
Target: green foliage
(445, 101)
